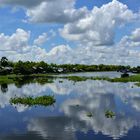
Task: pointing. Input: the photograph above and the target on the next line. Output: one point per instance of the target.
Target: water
(67, 119)
(111, 74)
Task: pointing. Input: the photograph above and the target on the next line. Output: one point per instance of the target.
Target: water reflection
(73, 101)
(4, 88)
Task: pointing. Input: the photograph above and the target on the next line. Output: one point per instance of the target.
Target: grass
(42, 100)
(109, 114)
(76, 78)
(132, 78)
(43, 78)
(6, 79)
(137, 84)
(25, 79)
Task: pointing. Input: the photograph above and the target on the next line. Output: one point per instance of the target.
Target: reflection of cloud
(115, 128)
(62, 89)
(20, 107)
(95, 97)
(26, 90)
(89, 96)
(84, 88)
(136, 103)
(54, 128)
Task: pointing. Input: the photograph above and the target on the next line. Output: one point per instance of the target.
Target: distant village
(26, 68)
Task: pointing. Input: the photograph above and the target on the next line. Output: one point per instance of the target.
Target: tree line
(29, 67)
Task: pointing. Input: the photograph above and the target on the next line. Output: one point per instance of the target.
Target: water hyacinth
(109, 114)
(30, 101)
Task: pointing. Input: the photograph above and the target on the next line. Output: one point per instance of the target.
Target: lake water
(111, 74)
(67, 119)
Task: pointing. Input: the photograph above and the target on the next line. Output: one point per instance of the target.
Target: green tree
(4, 62)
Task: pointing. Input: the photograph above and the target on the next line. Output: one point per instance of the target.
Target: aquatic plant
(77, 78)
(30, 101)
(137, 84)
(109, 114)
(89, 114)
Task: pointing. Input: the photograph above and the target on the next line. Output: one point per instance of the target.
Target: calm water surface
(67, 119)
(111, 74)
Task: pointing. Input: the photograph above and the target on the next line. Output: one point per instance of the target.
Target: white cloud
(25, 3)
(99, 24)
(88, 28)
(41, 39)
(56, 11)
(16, 47)
(131, 41)
(16, 42)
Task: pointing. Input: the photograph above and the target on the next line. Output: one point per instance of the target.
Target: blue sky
(16, 14)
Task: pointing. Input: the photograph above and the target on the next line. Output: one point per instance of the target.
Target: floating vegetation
(132, 78)
(109, 114)
(124, 75)
(43, 80)
(77, 78)
(42, 100)
(137, 84)
(89, 114)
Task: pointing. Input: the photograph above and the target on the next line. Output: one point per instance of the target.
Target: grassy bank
(133, 78)
(21, 79)
(48, 78)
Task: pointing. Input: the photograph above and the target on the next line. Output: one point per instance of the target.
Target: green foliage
(42, 100)
(109, 114)
(28, 67)
(132, 78)
(89, 114)
(76, 78)
(4, 61)
(5, 79)
(24, 68)
(20, 80)
(137, 84)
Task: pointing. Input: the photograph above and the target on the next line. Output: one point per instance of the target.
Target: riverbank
(44, 78)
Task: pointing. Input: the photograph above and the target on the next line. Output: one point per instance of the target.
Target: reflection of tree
(25, 80)
(4, 88)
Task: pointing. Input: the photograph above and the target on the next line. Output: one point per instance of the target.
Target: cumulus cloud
(99, 24)
(88, 28)
(41, 39)
(16, 46)
(54, 11)
(131, 41)
(25, 3)
(16, 42)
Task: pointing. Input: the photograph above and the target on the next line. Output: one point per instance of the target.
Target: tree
(4, 61)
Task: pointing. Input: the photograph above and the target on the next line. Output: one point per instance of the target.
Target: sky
(71, 31)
